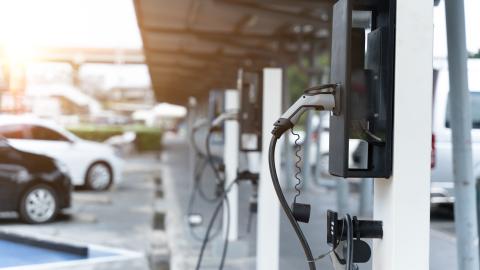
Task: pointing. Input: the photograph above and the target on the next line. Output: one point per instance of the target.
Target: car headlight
(62, 167)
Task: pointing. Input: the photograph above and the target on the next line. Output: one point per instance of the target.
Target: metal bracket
(337, 232)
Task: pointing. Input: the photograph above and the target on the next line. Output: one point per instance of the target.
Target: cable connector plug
(321, 98)
(280, 126)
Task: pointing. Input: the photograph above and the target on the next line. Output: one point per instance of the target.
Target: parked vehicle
(442, 167)
(35, 186)
(91, 164)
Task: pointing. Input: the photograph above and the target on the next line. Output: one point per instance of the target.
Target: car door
(52, 143)
(10, 168)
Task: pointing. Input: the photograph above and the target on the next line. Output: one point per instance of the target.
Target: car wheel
(38, 204)
(99, 177)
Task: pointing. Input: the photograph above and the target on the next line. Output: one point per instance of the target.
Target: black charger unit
(363, 64)
(250, 86)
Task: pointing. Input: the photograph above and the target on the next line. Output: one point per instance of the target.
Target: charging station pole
(287, 150)
(268, 224)
(466, 223)
(403, 201)
(231, 154)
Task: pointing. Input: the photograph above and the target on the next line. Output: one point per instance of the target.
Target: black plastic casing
(250, 86)
(363, 65)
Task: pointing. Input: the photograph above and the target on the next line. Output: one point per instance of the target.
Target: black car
(35, 186)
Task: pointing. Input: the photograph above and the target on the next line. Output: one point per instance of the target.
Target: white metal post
(231, 152)
(466, 223)
(268, 226)
(403, 201)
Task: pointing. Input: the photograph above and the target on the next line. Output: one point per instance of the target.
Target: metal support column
(461, 125)
(307, 145)
(192, 156)
(318, 154)
(231, 158)
(366, 197)
(402, 202)
(366, 185)
(268, 228)
(343, 189)
(307, 141)
(287, 159)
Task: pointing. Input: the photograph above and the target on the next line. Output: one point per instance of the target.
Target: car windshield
(3, 142)
(475, 107)
(46, 134)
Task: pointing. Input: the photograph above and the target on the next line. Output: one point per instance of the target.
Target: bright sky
(28, 24)
(69, 23)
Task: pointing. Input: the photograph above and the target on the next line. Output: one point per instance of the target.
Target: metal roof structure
(192, 46)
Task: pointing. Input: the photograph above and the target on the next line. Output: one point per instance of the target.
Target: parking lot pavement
(443, 254)
(120, 218)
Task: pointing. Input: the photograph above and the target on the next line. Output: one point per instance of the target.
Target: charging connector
(315, 98)
(321, 98)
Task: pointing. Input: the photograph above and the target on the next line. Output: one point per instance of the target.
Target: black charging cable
(349, 258)
(284, 204)
(320, 89)
(210, 225)
(194, 144)
(199, 169)
(191, 202)
(198, 174)
(314, 98)
(219, 180)
(224, 200)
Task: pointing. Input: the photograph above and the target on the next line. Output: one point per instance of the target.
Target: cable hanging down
(199, 168)
(285, 207)
(316, 98)
(210, 225)
(298, 171)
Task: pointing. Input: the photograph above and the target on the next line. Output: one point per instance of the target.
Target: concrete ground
(123, 218)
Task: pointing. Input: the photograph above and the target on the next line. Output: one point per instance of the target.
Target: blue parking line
(16, 254)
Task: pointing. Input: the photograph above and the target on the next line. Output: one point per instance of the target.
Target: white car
(442, 171)
(93, 165)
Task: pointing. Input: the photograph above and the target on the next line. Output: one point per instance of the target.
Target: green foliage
(297, 82)
(147, 139)
(474, 55)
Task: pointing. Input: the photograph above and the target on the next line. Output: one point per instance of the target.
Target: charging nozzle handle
(323, 101)
(231, 115)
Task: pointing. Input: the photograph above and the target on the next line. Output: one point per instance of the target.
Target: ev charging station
(374, 87)
(234, 113)
(379, 93)
(242, 135)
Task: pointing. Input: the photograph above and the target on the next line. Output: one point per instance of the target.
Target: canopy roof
(193, 46)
